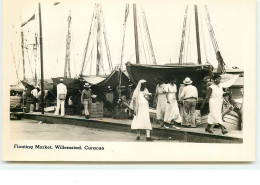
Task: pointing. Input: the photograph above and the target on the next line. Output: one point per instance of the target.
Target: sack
(70, 102)
(62, 96)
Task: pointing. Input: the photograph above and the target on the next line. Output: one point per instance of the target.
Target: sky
(233, 23)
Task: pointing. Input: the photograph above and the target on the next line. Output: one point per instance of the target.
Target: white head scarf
(135, 99)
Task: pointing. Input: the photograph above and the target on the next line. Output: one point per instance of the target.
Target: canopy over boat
(29, 83)
(155, 73)
(113, 79)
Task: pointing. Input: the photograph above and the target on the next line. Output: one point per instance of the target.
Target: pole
(41, 56)
(67, 56)
(197, 33)
(136, 35)
(99, 50)
(122, 50)
(183, 36)
(22, 36)
(35, 58)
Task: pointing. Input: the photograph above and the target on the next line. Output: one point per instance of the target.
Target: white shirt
(61, 89)
(34, 92)
(189, 91)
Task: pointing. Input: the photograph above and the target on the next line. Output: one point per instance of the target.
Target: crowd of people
(168, 112)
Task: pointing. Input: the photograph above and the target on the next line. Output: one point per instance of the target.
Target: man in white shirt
(34, 92)
(189, 95)
(61, 96)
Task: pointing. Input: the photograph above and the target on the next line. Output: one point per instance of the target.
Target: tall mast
(197, 33)
(136, 35)
(35, 59)
(122, 50)
(149, 39)
(41, 56)
(183, 36)
(22, 39)
(99, 44)
(67, 57)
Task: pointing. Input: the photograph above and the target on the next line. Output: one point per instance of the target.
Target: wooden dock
(196, 135)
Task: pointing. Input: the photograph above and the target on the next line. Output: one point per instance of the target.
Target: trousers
(86, 107)
(189, 112)
(60, 105)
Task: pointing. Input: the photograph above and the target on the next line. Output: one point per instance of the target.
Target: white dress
(215, 105)
(161, 102)
(142, 119)
(172, 112)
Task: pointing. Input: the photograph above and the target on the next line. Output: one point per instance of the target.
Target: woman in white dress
(161, 103)
(140, 106)
(215, 96)
(172, 113)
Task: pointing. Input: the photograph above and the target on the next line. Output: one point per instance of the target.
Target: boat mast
(136, 35)
(22, 40)
(149, 39)
(183, 36)
(99, 44)
(221, 63)
(67, 57)
(197, 33)
(41, 56)
(35, 59)
(122, 50)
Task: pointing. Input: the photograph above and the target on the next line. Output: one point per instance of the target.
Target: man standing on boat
(86, 99)
(34, 92)
(61, 96)
(189, 95)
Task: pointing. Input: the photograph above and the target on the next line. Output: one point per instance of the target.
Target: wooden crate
(96, 110)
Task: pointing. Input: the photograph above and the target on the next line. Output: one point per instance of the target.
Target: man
(34, 92)
(61, 96)
(189, 95)
(86, 99)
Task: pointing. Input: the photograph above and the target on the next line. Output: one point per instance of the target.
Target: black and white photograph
(98, 79)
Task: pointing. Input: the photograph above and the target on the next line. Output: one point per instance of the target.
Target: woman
(161, 103)
(215, 97)
(172, 113)
(140, 106)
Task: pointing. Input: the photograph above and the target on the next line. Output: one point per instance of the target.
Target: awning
(113, 79)
(93, 80)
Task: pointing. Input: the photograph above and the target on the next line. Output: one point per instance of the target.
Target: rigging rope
(141, 37)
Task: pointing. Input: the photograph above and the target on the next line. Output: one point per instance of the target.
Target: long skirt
(172, 113)
(215, 111)
(142, 119)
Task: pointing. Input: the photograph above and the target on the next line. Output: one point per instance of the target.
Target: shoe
(209, 131)
(87, 117)
(173, 126)
(138, 138)
(224, 132)
(165, 127)
(149, 139)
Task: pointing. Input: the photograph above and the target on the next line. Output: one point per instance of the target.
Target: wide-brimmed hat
(87, 85)
(187, 81)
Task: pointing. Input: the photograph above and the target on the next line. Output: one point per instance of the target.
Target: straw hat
(87, 85)
(187, 81)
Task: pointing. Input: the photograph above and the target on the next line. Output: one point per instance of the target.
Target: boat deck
(197, 134)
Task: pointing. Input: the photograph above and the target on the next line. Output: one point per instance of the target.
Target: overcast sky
(233, 25)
